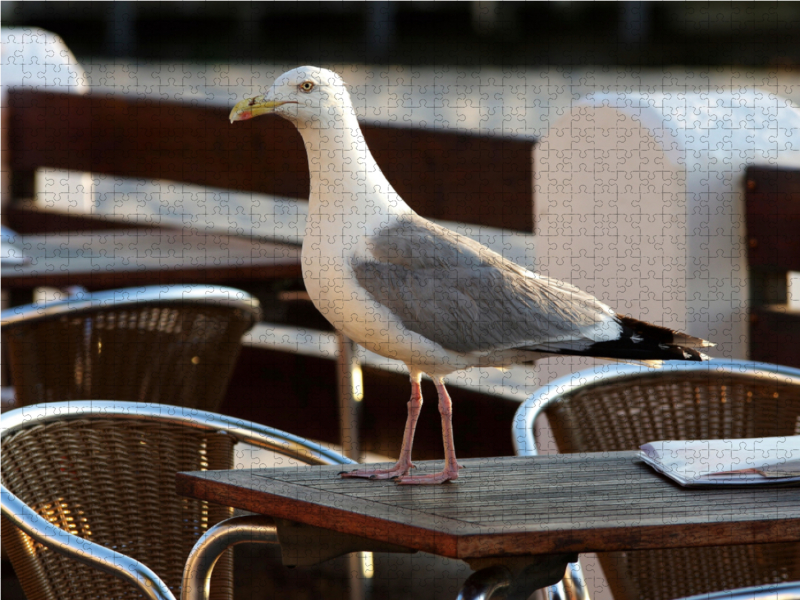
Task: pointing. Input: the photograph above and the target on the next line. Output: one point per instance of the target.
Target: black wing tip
(639, 341)
(647, 331)
(628, 350)
(642, 330)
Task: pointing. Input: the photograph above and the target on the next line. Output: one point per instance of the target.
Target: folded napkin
(726, 462)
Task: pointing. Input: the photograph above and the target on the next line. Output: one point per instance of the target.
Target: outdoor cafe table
(534, 513)
(150, 256)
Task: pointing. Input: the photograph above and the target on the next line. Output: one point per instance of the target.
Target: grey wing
(467, 298)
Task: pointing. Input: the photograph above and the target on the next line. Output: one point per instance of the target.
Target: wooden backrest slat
(477, 179)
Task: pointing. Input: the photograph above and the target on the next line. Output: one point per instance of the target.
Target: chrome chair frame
(779, 591)
(189, 292)
(524, 440)
(522, 431)
(259, 529)
(27, 324)
(82, 550)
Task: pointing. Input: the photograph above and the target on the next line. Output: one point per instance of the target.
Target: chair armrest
(236, 530)
(82, 550)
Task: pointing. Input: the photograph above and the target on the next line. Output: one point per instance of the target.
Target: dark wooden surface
(772, 207)
(772, 201)
(774, 335)
(26, 219)
(476, 179)
(515, 506)
(121, 258)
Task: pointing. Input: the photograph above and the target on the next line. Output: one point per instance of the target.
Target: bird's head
(304, 95)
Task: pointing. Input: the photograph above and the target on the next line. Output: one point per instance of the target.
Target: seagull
(409, 289)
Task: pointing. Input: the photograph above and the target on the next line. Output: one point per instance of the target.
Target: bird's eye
(306, 86)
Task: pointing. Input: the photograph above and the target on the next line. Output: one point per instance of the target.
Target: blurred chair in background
(175, 344)
(621, 407)
(779, 591)
(105, 472)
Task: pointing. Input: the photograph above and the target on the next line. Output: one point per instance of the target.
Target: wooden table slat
(120, 258)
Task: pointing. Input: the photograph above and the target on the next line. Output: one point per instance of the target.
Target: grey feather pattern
(467, 298)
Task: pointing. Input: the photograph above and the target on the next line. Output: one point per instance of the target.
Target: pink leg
(451, 466)
(403, 464)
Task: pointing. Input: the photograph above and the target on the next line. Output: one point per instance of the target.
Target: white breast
(335, 292)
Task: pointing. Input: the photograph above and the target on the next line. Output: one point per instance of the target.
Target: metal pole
(351, 385)
(350, 395)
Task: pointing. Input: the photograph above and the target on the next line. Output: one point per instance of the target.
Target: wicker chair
(779, 591)
(620, 407)
(105, 472)
(175, 344)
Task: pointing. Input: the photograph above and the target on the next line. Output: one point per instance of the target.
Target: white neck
(344, 176)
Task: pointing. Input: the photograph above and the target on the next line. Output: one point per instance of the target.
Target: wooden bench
(443, 175)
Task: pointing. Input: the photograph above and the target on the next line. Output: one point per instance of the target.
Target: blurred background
(497, 69)
(503, 68)
(646, 34)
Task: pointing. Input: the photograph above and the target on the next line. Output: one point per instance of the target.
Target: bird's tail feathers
(625, 350)
(642, 330)
(638, 342)
(682, 339)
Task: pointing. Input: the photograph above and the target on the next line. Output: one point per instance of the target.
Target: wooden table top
(120, 258)
(515, 506)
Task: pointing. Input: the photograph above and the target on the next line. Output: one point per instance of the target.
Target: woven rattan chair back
(174, 344)
(105, 471)
(113, 482)
(673, 404)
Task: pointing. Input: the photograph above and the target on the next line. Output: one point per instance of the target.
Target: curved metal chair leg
(482, 584)
(254, 529)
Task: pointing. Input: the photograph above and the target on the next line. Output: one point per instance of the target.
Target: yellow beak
(254, 107)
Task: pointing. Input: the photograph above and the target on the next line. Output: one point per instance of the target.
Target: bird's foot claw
(394, 472)
(435, 478)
